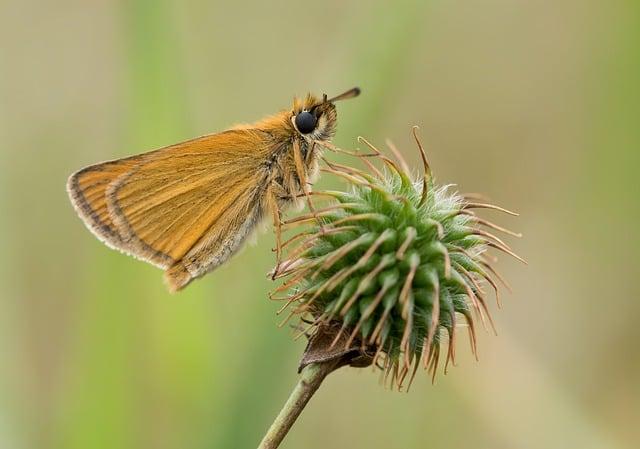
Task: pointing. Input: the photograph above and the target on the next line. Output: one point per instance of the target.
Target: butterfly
(187, 208)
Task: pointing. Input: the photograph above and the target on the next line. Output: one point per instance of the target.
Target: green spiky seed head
(392, 266)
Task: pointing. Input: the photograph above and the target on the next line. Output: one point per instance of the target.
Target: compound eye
(306, 122)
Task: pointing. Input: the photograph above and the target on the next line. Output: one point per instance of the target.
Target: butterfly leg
(277, 224)
(311, 154)
(302, 177)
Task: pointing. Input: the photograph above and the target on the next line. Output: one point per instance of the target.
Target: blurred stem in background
(159, 111)
(382, 56)
(107, 403)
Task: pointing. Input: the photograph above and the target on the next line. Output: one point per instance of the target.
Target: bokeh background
(535, 103)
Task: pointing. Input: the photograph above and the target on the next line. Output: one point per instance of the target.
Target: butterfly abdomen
(177, 277)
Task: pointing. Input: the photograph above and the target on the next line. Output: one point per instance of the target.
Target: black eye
(306, 122)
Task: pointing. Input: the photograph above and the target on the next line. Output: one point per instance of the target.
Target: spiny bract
(392, 263)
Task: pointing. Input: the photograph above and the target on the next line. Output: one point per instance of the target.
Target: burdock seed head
(390, 269)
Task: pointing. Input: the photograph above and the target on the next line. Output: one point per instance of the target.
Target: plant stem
(310, 379)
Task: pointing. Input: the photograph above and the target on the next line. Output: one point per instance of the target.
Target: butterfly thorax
(286, 137)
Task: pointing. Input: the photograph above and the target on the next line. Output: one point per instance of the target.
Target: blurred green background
(535, 103)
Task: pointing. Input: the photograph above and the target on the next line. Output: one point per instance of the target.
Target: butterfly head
(315, 118)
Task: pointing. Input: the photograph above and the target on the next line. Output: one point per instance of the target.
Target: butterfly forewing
(194, 201)
(87, 189)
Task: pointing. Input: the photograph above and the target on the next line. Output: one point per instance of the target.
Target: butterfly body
(187, 208)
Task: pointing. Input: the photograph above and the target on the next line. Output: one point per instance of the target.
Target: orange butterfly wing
(185, 208)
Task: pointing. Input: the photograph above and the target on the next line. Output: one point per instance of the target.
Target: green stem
(310, 380)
